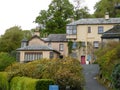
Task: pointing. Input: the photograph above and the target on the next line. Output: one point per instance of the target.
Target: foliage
(108, 57)
(104, 6)
(4, 84)
(70, 43)
(11, 39)
(5, 60)
(27, 34)
(55, 18)
(64, 72)
(43, 84)
(23, 83)
(82, 13)
(116, 77)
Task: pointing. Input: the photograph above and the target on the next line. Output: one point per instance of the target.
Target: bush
(108, 57)
(43, 84)
(5, 60)
(25, 83)
(116, 77)
(64, 72)
(4, 84)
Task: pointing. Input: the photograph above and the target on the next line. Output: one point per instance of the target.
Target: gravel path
(90, 71)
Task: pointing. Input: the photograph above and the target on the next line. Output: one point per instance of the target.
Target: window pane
(74, 31)
(83, 44)
(51, 55)
(71, 30)
(100, 29)
(61, 47)
(89, 29)
(74, 46)
(96, 44)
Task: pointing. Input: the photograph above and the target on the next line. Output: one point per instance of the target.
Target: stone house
(88, 31)
(54, 46)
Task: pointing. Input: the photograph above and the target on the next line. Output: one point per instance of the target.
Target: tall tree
(106, 6)
(55, 18)
(82, 13)
(11, 39)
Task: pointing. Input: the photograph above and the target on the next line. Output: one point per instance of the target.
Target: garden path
(90, 71)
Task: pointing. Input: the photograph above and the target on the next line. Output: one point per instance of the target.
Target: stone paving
(90, 71)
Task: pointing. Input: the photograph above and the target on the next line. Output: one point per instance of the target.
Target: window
(51, 55)
(100, 30)
(83, 44)
(61, 47)
(71, 30)
(89, 29)
(96, 44)
(32, 56)
(74, 46)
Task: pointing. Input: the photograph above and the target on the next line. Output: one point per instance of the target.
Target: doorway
(83, 60)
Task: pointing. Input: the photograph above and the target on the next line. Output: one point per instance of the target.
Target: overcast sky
(23, 12)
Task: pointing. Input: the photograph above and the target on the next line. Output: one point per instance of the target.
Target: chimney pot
(107, 15)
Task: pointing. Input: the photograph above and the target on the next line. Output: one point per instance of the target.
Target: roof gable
(35, 36)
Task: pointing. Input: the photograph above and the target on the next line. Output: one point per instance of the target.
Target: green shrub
(108, 57)
(4, 84)
(5, 60)
(25, 83)
(43, 84)
(64, 72)
(116, 77)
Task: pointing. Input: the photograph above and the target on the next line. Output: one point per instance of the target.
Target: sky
(23, 12)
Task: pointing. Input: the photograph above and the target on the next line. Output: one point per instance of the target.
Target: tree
(5, 60)
(55, 18)
(11, 40)
(106, 6)
(82, 13)
(27, 34)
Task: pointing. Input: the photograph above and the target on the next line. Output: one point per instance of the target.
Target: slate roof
(112, 33)
(36, 48)
(56, 38)
(94, 21)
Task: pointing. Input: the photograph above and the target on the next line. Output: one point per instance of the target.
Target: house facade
(54, 46)
(89, 31)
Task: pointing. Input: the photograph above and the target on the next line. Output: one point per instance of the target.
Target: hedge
(25, 83)
(43, 84)
(4, 84)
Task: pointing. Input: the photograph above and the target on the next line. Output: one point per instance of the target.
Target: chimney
(107, 15)
(37, 31)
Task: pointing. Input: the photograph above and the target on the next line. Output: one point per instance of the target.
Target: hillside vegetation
(108, 57)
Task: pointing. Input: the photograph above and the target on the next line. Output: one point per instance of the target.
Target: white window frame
(61, 47)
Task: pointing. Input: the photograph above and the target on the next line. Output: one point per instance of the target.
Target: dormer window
(71, 30)
(24, 42)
